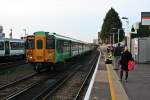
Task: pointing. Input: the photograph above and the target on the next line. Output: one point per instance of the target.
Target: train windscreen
(50, 42)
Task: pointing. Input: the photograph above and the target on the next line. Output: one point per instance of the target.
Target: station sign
(145, 18)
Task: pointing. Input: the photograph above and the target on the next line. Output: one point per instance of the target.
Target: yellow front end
(50, 55)
(39, 53)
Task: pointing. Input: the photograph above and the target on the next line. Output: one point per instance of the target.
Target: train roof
(59, 36)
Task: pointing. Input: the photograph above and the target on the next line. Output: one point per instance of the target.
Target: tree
(111, 21)
(143, 31)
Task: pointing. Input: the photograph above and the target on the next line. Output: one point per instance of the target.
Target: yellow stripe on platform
(116, 88)
(112, 91)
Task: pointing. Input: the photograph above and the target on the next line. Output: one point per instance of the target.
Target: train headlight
(30, 57)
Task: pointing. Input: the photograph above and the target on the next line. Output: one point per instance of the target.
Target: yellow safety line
(112, 90)
(122, 91)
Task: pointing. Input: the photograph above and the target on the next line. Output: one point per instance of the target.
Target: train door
(40, 47)
(7, 49)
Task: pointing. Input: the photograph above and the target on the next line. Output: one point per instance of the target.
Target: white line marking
(88, 92)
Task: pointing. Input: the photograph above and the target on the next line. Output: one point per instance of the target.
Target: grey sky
(80, 19)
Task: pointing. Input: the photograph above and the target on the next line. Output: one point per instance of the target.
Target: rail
(86, 79)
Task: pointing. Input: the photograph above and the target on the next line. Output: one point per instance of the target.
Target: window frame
(2, 46)
(48, 44)
(33, 44)
(39, 46)
(17, 45)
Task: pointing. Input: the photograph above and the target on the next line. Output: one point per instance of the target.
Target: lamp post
(127, 21)
(118, 32)
(10, 33)
(128, 35)
(110, 39)
(113, 38)
(25, 31)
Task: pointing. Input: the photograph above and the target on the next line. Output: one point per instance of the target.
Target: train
(11, 48)
(44, 48)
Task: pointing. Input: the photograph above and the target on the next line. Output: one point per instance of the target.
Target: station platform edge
(115, 87)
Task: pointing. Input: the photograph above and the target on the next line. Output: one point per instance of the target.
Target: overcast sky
(80, 19)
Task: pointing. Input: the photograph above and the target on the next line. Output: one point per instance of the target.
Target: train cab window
(50, 44)
(39, 44)
(1, 45)
(30, 44)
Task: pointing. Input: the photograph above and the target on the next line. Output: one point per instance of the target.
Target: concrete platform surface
(138, 85)
(100, 90)
(107, 85)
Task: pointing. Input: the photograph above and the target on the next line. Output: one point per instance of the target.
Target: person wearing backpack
(117, 54)
(126, 56)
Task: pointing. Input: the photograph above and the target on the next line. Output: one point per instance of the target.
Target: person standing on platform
(117, 54)
(109, 57)
(125, 57)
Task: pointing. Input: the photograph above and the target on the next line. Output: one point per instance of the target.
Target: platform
(138, 85)
(100, 90)
(107, 85)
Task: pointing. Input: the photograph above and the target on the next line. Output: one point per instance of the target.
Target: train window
(30, 44)
(65, 46)
(74, 46)
(17, 45)
(1, 45)
(13, 45)
(59, 46)
(39, 44)
(50, 43)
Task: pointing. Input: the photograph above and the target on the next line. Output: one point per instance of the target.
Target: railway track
(57, 85)
(72, 88)
(51, 85)
(16, 87)
(7, 65)
(13, 82)
(41, 88)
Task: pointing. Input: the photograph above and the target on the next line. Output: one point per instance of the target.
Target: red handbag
(131, 65)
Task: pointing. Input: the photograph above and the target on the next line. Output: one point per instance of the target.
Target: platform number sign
(145, 18)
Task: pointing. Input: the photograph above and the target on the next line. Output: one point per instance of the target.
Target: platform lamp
(25, 32)
(10, 33)
(112, 37)
(127, 38)
(118, 32)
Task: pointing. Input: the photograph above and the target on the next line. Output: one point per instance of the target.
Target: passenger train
(11, 47)
(50, 48)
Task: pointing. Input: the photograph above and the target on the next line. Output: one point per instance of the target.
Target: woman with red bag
(126, 56)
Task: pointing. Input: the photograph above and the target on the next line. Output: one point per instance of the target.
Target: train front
(40, 50)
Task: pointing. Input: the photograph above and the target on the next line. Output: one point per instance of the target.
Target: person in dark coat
(117, 54)
(125, 57)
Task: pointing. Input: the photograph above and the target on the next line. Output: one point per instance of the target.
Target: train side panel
(63, 50)
(74, 49)
(2, 48)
